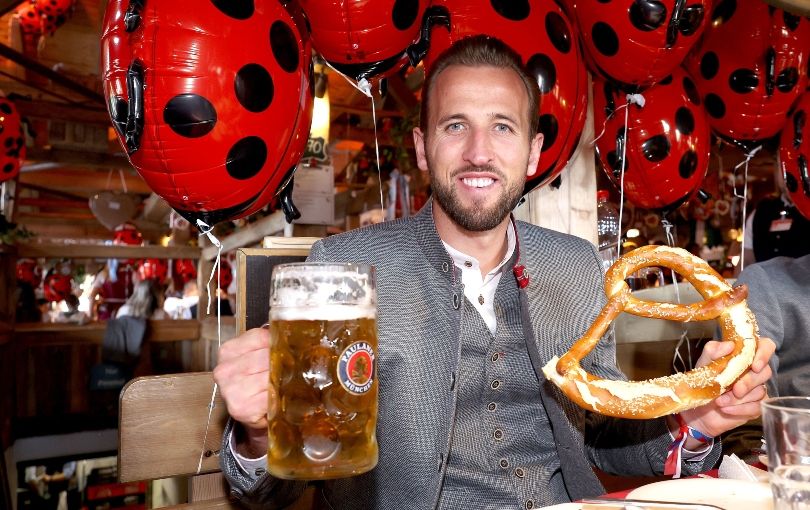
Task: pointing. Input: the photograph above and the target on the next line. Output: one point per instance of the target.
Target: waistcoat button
(495, 384)
(529, 504)
(456, 301)
(498, 434)
(492, 406)
(519, 473)
(504, 463)
(445, 267)
(495, 357)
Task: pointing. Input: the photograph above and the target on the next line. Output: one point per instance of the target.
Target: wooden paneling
(95, 251)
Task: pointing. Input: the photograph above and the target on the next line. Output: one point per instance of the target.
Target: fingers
(732, 398)
(714, 349)
(765, 349)
(251, 340)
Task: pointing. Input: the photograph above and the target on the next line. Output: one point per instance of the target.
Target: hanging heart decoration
(112, 208)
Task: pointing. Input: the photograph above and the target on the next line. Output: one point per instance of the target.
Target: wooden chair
(163, 419)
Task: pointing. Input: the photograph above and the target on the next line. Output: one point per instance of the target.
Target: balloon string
(364, 87)
(207, 230)
(604, 124)
(744, 197)
(123, 182)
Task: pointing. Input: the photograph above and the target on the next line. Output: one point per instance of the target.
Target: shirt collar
(459, 258)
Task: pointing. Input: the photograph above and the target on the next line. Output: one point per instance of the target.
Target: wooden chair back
(164, 425)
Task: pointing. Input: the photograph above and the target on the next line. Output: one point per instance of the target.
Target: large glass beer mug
(323, 345)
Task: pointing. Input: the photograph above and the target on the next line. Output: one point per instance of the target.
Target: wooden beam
(54, 192)
(27, 215)
(35, 334)
(340, 131)
(81, 180)
(45, 71)
(78, 158)
(96, 251)
(64, 112)
(249, 235)
(345, 108)
(54, 203)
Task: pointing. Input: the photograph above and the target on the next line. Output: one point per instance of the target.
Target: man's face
(477, 145)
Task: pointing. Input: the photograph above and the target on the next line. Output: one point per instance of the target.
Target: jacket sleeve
(255, 490)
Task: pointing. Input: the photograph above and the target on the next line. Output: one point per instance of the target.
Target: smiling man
(471, 305)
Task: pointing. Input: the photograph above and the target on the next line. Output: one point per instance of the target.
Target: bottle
(607, 226)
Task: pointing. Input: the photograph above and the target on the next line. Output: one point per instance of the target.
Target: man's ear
(535, 148)
(419, 148)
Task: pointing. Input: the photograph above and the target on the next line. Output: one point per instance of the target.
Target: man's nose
(478, 150)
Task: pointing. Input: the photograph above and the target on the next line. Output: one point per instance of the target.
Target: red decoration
(547, 42)
(794, 155)
(29, 19)
(29, 272)
(225, 274)
(153, 269)
(221, 100)
(57, 286)
(750, 68)
(12, 141)
(638, 43)
(53, 8)
(667, 141)
(364, 39)
(126, 233)
(185, 269)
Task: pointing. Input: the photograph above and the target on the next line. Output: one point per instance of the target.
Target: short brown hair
(481, 51)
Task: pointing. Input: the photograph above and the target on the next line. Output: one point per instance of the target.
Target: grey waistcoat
(420, 303)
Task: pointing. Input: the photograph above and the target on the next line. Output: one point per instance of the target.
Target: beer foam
(321, 286)
(323, 313)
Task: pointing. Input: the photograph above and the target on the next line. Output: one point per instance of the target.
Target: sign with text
(314, 194)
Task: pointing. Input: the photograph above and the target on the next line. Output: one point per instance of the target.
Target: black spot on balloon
(715, 106)
(254, 88)
(237, 9)
(119, 110)
(5, 108)
(246, 158)
(791, 183)
(656, 148)
(190, 115)
(558, 32)
(8, 168)
(547, 124)
(605, 39)
(723, 11)
(743, 81)
(615, 161)
(688, 164)
(691, 19)
(515, 10)
(542, 68)
(284, 46)
(603, 1)
(771, 10)
(665, 81)
(404, 13)
(684, 121)
(8, 143)
(787, 79)
(647, 15)
(791, 21)
(691, 91)
(709, 65)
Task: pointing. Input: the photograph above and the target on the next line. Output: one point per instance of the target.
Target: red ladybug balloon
(126, 233)
(49, 24)
(212, 103)
(750, 67)
(639, 42)
(186, 269)
(29, 19)
(57, 286)
(153, 269)
(364, 39)
(541, 33)
(53, 8)
(12, 141)
(794, 155)
(667, 141)
(225, 274)
(28, 271)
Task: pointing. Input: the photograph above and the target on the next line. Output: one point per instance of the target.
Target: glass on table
(786, 423)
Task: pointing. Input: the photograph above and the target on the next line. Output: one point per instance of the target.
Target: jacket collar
(428, 238)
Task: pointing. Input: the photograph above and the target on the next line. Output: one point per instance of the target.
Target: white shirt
(480, 290)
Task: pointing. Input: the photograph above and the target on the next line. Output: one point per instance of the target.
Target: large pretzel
(664, 395)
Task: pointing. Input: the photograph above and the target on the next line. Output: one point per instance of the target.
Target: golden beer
(323, 347)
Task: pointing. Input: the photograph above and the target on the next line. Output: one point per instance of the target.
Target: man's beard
(476, 218)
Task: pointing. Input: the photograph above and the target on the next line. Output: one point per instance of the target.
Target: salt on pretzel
(675, 393)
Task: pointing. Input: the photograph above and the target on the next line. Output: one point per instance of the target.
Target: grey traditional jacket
(420, 306)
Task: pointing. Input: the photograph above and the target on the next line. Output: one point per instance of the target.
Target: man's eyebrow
(452, 117)
(503, 116)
